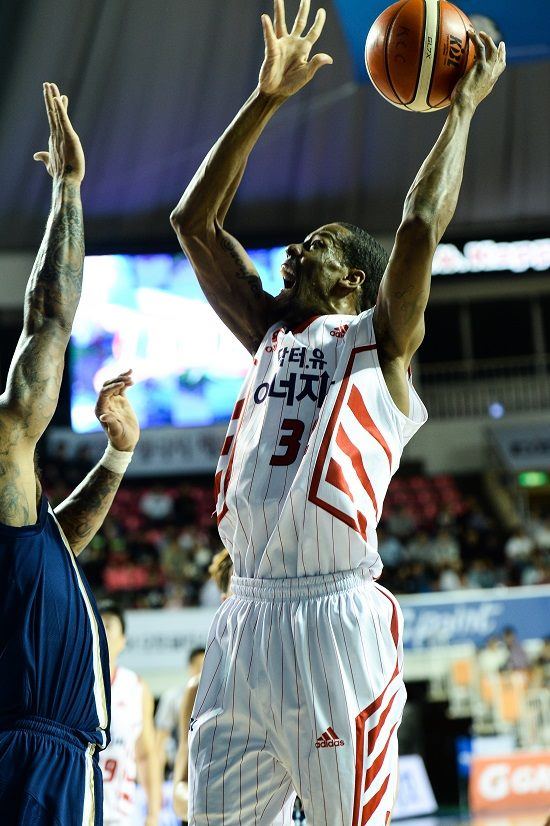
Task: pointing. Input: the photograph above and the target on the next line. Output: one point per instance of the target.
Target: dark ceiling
(152, 84)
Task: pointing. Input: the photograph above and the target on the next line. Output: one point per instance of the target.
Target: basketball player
(54, 667)
(302, 687)
(132, 743)
(167, 716)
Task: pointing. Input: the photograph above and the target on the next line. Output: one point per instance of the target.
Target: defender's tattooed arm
(51, 299)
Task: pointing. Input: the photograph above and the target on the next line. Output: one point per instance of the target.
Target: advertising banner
(519, 781)
(472, 616)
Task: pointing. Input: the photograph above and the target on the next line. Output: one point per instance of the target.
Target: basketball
(416, 52)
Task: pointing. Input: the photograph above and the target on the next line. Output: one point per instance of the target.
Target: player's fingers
(65, 101)
(63, 118)
(50, 107)
(479, 45)
(315, 32)
(502, 52)
(279, 18)
(489, 43)
(121, 376)
(301, 17)
(270, 37)
(317, 61)
(42, 156)
(110, 389)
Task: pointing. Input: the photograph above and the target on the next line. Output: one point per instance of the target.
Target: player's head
(221, 570)
(337, 268)
(115, 627)
(195, 661)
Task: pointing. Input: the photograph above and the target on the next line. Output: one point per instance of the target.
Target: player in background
(302, 687)
(220, 570)
(131, 752)
(54, 667)
(167, 716)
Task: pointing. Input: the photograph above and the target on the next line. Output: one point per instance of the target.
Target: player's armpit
(19, 489)
(34, 377)
(230, 282)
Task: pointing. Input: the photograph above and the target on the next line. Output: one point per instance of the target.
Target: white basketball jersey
(118, 760)
(312, 444)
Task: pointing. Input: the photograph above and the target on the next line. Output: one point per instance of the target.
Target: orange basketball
(416, 51)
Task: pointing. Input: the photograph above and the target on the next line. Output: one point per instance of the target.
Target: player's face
(313, 268)
(115, 635)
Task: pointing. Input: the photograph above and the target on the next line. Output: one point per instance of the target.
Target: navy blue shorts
(48, 776)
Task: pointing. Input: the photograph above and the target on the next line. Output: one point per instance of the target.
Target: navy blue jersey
(54, 661)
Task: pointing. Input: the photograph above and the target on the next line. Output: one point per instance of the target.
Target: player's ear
(353, 279)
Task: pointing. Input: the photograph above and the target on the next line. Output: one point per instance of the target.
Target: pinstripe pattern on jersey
(334, 473)
(310, 451)
(290, 662)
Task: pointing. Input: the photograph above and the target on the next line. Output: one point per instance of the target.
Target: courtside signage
(519, 781)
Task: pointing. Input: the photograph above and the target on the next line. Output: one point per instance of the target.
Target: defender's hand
(116, 414)
(286, 67)
(479, 81)
(65, 158)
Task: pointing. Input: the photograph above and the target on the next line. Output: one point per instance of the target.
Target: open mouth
(289, 274)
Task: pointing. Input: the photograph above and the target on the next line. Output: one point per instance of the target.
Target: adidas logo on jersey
(329, 740)
(340, 332)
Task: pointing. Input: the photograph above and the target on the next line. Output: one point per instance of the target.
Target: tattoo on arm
(56, 281)
(242, 272)
(83, 512)
(51, 300)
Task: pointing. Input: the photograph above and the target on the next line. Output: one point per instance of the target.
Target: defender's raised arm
(51, 299)
(429, 207)
(226, 273)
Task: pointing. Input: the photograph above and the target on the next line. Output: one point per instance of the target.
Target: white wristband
(116, 460)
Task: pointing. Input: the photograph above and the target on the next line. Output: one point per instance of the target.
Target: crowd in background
(156, 545)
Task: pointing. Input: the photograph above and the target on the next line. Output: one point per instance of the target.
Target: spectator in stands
(390, 548)
(541, 666)
(536, 570)
(519, 545)
(450, 577)
(481, 574)
(156, 504)
(492, 656)
(419, 549)
(220, 572)
(540, 531)
(168, 715)
(517, 658)
(400, 523)
(445, 548)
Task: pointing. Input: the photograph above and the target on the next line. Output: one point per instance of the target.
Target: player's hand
(479, 81)
(116, 414)
(64, 158)
(286, 67)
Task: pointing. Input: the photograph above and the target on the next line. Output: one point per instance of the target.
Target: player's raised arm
(83, 512)
(225, 272)
(429, 206)
(51, 299)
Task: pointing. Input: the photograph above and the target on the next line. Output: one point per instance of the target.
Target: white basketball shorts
(301, 693)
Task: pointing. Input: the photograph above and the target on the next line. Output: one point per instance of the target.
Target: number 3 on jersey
(290, 441)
